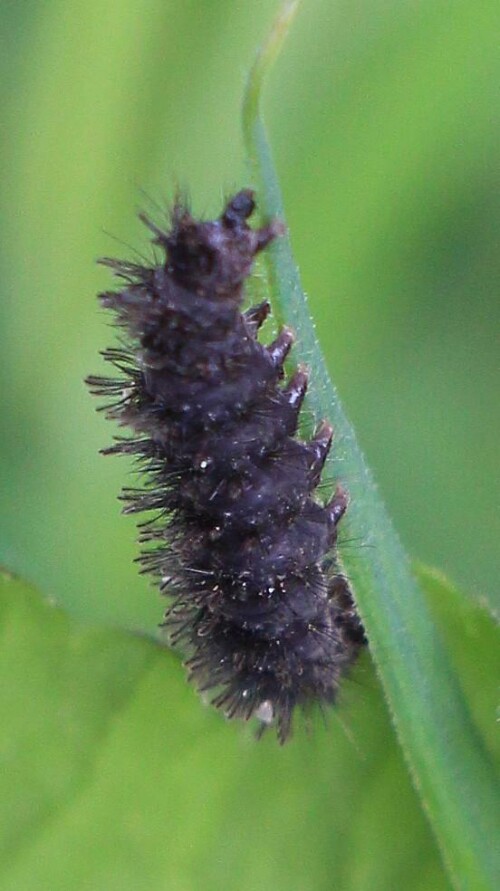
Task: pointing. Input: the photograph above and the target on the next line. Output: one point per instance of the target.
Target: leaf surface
(116, 777)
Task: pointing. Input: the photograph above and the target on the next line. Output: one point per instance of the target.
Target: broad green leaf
(449, 762)
(115, 776)
(472, 635)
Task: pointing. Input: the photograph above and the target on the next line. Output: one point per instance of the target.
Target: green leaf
(472, 635)
(114, 776)
(450, 765)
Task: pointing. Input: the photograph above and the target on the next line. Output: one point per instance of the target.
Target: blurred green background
(383, 120)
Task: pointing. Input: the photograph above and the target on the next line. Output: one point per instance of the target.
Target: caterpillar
(238, 540)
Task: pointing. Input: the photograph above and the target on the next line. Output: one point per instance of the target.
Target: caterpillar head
(215, 257)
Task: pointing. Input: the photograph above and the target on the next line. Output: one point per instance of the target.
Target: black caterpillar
(239, 541)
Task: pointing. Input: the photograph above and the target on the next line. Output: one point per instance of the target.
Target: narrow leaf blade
(449, 763)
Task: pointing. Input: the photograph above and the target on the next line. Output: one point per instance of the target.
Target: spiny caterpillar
(238, 541)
